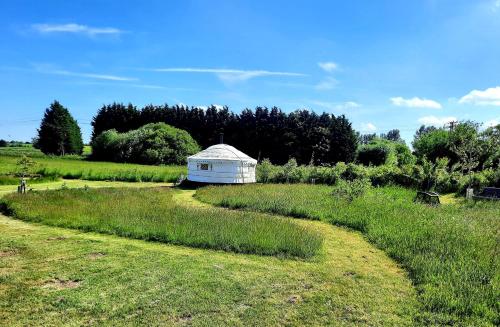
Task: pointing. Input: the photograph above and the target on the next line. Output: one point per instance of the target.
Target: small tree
(25, 166)
(465, 144)
(59, 132)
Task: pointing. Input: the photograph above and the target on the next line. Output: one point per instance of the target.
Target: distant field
(18, 151)
(451, 252)
(152, 214)
(75, 168)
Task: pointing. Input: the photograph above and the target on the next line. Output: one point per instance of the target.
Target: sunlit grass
(152, 214)
(75, 168)
(451, 252)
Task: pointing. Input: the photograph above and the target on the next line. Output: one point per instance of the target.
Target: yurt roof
(222, 152)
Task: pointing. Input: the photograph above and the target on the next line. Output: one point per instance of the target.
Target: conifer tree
(59, 132)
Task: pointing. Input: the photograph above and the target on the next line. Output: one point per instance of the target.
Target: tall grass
(92, 170)
(451, 252)
(17, 151)
(13, 180)
(151, 214)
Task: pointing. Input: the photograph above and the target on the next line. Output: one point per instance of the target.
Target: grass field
(18, 151)
(152, 214)
(57, 276)
(451, 252)
(77, 168)
(54, 276)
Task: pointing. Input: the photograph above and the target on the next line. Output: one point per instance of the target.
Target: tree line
(261, 133)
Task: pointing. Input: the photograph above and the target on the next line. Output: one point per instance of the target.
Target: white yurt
(221, 163)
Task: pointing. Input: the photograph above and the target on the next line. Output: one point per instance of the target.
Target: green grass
(75, 168)
(18, 151)
(53, 276)
(13, 180)
(152, 214)
(87, 150)
(451, 252)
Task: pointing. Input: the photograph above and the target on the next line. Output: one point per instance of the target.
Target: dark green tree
(59, 132)
(392, 135)
(343, 141)
(433, 144)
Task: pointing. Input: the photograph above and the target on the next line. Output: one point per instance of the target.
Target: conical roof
(222, 152)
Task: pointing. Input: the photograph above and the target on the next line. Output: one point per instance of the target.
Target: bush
(385, 152)
(152, 144)
(373, 154)
(404, 155)
(350, 190)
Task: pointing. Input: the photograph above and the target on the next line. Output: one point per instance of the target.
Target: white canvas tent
(221, 163)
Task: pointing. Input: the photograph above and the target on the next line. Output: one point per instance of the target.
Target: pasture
(450, 252)
(71, 167)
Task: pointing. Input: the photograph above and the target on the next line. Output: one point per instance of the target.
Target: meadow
(52, 276)
(71, 167)
(450, 252)
(24, 149)
(153, 214)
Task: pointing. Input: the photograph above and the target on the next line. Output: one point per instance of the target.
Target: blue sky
(384, 64)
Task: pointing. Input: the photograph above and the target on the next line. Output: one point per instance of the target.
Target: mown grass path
(54, 276)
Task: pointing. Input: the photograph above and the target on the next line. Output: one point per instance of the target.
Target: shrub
(151, 144)
(353, 172)
(350, 190)
(404, 155)
(384, 175)
(373, 154)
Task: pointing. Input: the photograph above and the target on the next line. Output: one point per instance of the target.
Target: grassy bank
(451, 252)
(152, 214)
(74, 168)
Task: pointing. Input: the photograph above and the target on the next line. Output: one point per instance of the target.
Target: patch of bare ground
(185, 318)
(57, 238)
(8, 253)
(96, 255)
(60, 284)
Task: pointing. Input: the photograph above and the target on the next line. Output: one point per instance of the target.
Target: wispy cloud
(336, 105)
(75, 28)
(49, 69)
(436, 121)
(488, 97)
(328, 83)
(328, 66)
(368, 127)
(229, 75)
(416, 102)
(348, 105)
